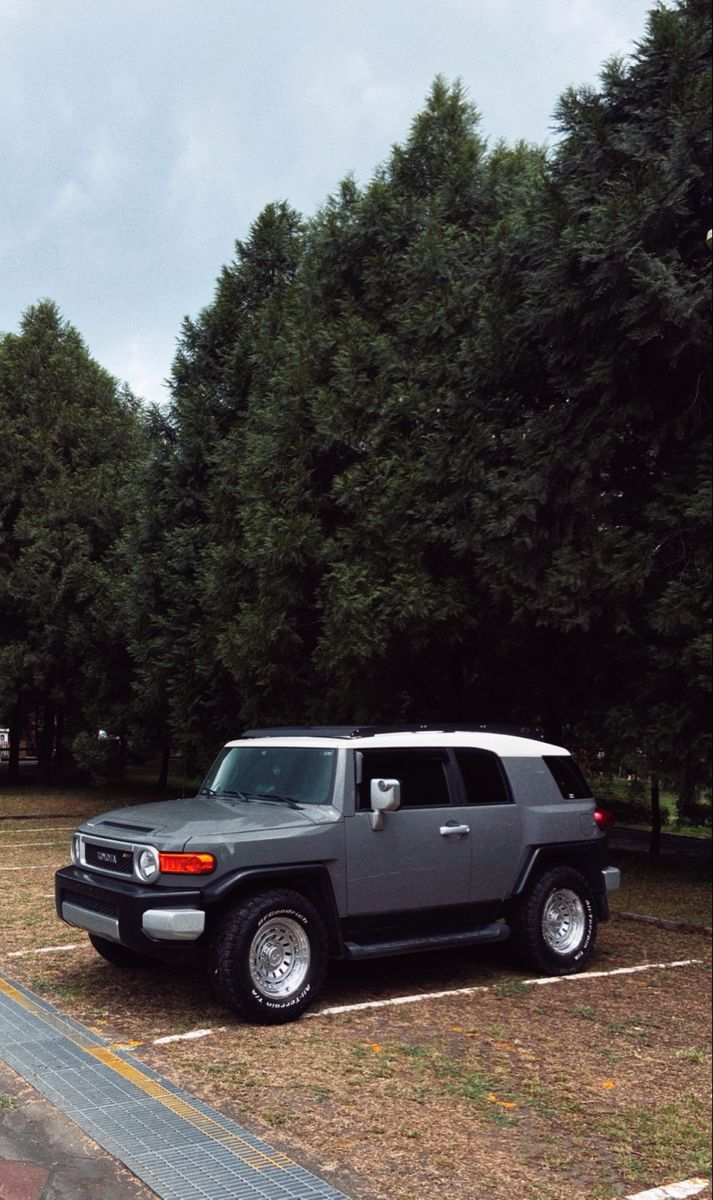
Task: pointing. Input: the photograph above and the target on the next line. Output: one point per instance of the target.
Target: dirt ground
(584, 1089)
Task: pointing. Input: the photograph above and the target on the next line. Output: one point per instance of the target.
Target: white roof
(504, 744)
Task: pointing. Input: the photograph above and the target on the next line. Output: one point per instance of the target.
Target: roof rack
(361, 731)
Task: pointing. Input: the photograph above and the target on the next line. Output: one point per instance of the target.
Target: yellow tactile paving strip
(177, 1145)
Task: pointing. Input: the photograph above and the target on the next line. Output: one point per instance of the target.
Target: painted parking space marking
(44, 950)
(187, 1037)
(30, 845)
(674, 1191)
(395, 1001)
(41, 867)
(419, 998)
(178, 1146)
(40, 829)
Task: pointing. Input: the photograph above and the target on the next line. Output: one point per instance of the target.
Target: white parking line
(674, 1191)
(186, 1037)
(471, 991)
(41, 867)
(43, 829)
(28, 845)
(42, 950)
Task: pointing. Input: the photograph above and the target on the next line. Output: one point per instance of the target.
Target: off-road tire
(554, 928)
(268, 957)
(117, 955)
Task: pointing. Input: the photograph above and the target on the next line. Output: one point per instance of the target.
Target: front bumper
(161, 922)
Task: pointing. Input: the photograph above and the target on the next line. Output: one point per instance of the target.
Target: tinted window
(568, 777)
(303, 774)
(421, 773)
(483, 778)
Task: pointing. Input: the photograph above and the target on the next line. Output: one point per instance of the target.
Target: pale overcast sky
(140, 138)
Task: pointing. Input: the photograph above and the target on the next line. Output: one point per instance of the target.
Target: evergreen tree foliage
(439, 452)
(453, 438)
(69, 438)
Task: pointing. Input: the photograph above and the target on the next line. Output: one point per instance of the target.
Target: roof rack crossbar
(361, 731)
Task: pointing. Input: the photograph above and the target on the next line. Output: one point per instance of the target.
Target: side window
(568, 777)
(422, 774)
(483, 777)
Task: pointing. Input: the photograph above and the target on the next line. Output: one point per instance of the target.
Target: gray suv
(309, 844)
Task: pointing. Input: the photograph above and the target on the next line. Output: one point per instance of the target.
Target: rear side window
(422, 774)
(482, 777)
(568, 777)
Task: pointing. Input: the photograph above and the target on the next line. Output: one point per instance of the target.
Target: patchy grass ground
(586, 1089)
(673, 887)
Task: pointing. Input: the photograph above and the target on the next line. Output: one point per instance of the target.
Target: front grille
(105, 907)
(109, 858)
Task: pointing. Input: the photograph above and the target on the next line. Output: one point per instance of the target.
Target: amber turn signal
(187, 864)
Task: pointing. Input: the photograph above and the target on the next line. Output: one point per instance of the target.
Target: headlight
(74, 848)
(147, 865)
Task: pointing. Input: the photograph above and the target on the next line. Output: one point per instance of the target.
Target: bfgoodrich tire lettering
(555, 927)
(268, 957)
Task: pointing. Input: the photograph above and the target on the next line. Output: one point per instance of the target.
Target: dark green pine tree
(199, 567)
(603, 471)
(69, 441)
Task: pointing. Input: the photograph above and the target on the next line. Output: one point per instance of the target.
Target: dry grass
(673, 887)
(583, 1090)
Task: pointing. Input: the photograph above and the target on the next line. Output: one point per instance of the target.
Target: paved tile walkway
(178, 1146)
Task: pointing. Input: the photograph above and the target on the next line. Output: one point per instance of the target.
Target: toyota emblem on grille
(107, 856)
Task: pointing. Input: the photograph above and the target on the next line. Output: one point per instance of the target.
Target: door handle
(454, 830)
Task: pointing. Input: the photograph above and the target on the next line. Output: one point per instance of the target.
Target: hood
(180, 821)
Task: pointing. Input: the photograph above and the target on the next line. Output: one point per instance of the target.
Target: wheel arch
(312, 882)
(588, 860)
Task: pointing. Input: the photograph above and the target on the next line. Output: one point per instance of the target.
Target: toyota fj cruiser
(309, 844)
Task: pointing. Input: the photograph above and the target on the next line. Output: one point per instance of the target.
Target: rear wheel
(555, 927)
(268, 957)
(117, 955)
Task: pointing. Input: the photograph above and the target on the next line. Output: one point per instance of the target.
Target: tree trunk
(655, 843)
(123, 754)
(57, 765)
(45, 748)
(163, 773)
(686, 802)
(13, 768)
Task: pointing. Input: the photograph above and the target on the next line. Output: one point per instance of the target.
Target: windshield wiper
(208, 791)
(275, 798)
(270, 797)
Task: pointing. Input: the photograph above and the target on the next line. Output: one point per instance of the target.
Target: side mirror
(385, 796)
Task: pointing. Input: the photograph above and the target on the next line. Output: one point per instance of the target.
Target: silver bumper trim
(83, 918)
(174, 924)
(612, 878)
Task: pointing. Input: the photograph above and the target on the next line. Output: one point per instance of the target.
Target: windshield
(300, 774)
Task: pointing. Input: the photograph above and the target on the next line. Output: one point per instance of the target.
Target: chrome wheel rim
(279, 958)
(564, 921)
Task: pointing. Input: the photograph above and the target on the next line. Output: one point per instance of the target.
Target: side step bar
(497, 932)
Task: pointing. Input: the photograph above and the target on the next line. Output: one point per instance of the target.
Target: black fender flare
(310, 879)
(589, 859)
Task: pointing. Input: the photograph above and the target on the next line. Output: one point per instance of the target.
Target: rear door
(495, 822)
(422, 857)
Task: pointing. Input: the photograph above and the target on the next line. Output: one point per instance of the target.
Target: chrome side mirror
(385, 796)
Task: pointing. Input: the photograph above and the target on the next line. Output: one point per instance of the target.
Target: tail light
(604, 818)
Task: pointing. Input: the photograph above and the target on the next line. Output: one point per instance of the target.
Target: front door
(422, 857)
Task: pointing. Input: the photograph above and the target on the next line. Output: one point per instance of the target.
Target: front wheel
(268, 957)
(555, 927)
